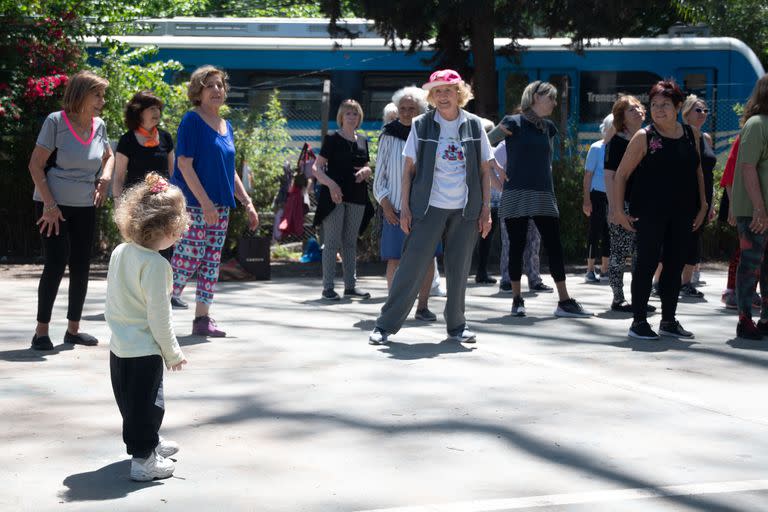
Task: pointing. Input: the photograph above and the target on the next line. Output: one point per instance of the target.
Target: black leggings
(598, 226)
(484, 244)
(549, 229)
(72, 246)
(672, 232)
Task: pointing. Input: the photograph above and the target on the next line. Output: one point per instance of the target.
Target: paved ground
(295, 411)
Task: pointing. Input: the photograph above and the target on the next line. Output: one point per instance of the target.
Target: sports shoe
(329, 294)
(153, 467)
(569, 308)
(540, 287)
(642, 331)
(177, 303)
(674, 329)
(484, 279)
(757, 301)
(505, 287)
(465, 336)
(166, 448)
(747, 329)
(206, 326)
(378, 336)
(42, 342)
(591, 277)
(518, 306)
(729, 299)
(622, 307)
(425, 315)
(356, 292)
(80, 338)
(655, 290)
(696, 278)
(436, 291)
(688, 290)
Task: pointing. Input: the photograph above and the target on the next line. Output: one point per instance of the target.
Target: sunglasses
(702, 110)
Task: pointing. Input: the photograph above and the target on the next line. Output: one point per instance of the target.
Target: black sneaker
(622, 307)
(378, 337)
(569, 308)
(41, 342)
(356, 292)
(425, 315)
(80, 338)
(674, 329)
(329, 294)
(541, 287)
(655, 292)
(177, 303)
(518, 306)
(484, 279)
(642, 331)
(688, 290)
(505, 287)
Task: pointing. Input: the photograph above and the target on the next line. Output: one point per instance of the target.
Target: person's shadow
(24, 355)
(411, 351)
(107, 483)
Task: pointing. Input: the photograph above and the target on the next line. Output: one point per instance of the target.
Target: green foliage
(262, 8)
(568, 177)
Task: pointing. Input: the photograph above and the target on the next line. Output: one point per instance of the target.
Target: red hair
(669, 89)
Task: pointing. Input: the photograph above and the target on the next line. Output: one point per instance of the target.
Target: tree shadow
(191, 339)
(95, 318)
(661, 345)
(745, 344)
(25, 355)
(107, 483)
(413, 351)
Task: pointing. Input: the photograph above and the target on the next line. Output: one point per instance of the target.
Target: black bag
(253, 253)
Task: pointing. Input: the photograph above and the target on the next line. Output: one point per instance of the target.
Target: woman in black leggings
(72, 148)
(668, 182)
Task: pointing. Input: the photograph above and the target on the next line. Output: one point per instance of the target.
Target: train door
(703, 83)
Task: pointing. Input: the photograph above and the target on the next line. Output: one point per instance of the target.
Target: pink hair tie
(159, 185)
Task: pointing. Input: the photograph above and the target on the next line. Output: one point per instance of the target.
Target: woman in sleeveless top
(666, 205)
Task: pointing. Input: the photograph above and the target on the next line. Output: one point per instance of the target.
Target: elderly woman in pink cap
(446, 189)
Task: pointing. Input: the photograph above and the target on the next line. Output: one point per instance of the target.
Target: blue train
(296, 56)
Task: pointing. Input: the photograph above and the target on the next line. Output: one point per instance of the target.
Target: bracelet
(47, 209)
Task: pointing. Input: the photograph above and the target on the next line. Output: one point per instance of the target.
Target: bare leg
(42, 329)
(562, 291)
(590, 264)
(604, 265)
(201, 309)
(687, 274)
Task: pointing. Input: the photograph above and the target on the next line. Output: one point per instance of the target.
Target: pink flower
(655, 144)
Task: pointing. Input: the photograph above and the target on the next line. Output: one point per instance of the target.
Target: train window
(379, 88)
(695, 83)
(299, 96)
(600, 89)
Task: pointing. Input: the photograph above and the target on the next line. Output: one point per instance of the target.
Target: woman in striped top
(529, 192)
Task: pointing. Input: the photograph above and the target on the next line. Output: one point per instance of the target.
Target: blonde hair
(349, 105)
(688, 105)
(79, 86)
(537, 88)
(465, 94)
(150, 210)
(198, 79)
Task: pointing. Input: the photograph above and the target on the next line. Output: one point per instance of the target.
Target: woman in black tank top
(667, 204)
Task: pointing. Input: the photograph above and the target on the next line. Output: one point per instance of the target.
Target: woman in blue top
(205, 172)
(595, 204)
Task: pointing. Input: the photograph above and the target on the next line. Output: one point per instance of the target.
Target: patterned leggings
(751, 269)
(622, 246)
(199, 251)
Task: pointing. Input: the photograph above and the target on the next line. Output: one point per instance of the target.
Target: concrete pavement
(294, 411)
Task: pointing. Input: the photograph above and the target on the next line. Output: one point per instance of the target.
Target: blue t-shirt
(213, 157)
(594, 164)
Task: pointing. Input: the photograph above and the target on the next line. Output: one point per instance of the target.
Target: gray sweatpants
(418, 251)
(340, 231)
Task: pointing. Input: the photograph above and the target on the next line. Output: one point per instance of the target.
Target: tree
(464, 28)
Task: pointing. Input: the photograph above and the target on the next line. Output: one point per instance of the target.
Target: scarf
(535, 120)
(397, 129)
(151, 139)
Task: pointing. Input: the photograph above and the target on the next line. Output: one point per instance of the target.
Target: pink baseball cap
(442, 77)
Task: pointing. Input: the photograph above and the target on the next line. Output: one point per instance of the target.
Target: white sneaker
(154, 466)
(166, 447)
(466, 336)
(436, 291)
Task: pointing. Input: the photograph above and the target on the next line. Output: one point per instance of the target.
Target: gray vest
(427, 136)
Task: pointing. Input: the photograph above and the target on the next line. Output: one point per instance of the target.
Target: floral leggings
(751, 269)
(199, 251)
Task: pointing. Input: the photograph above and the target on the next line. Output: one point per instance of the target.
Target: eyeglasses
(702, 110)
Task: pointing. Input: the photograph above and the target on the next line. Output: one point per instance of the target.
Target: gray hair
(389, 113)
(607, 123)
(417, 94)
(540, 89)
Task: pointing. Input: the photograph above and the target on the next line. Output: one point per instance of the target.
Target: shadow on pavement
(191, 339)
(744, 344)
(28, 355)
(107, 483)
(408, 352)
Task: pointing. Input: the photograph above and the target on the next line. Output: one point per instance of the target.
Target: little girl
(151, 217)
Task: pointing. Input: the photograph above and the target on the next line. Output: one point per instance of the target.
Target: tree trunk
(484, 56)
